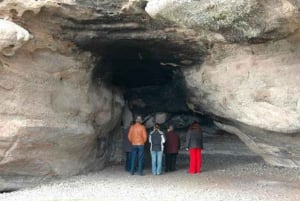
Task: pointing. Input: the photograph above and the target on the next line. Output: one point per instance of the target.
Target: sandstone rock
(251, 83)
(160, 118)
(149, 121)
(60, 113)
(253, 20)
(127, 117)
(183, 121)
(12, 37)
(64, 141)
(55, 120)
(19, 7)
(256, 85)
(278, 149)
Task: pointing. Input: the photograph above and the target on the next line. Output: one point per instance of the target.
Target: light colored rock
(55, 121)
(63, 140)
(150, 122)
(45, 147)
(134, 6)
(236, 20)
(258, 86)
(277, 149)
(127, 117)
(254, 85)
(12, 37)
(20, 7)
(160, 118)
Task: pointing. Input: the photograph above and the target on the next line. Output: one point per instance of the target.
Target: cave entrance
(151, 81)
(149, 72)
(129, 67)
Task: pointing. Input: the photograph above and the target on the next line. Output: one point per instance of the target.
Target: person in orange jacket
(137, 136)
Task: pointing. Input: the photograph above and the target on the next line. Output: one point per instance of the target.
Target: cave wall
(239, 61)
(249, 81)
(55, 120)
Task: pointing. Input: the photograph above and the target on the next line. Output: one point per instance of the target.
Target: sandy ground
(227, 175)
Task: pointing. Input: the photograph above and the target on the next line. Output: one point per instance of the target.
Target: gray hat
(139, 119)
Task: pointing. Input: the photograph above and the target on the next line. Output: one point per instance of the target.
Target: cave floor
(226, 175)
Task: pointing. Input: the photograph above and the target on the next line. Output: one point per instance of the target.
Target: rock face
(65, 65)
(12, 37)
(235, 21)
(256, 85)
(54, 119)
(251, 89)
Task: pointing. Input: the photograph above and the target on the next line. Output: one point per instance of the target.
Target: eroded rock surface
(55, 119)
(61, 90)
(12, 37)
(250, 20)
(245, 83)
(258, 86)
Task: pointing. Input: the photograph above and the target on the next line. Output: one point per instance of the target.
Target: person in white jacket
(156, 140)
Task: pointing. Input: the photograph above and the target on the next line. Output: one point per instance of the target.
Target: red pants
(195, 160)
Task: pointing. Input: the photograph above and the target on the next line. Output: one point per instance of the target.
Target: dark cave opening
(154, 83)
(132, 67)
(151, 82)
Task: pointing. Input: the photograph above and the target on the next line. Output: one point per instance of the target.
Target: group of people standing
(168, 143)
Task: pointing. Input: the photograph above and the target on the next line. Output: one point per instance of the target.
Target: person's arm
(163, 138)
(150, 140)
(145, 134)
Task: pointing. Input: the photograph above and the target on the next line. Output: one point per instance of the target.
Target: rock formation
(67, 65)
(250, 76)
(52, 112)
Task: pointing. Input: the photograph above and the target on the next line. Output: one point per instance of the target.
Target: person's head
(139, 119)
(195, 126)
(156, 126)
(170, 128)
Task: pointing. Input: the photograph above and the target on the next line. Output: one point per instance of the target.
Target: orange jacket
(137, 134)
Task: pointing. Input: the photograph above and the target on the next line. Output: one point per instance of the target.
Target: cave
(142, 58)
(150, 82)
(151, 79)
(147, 63)
(72, 71)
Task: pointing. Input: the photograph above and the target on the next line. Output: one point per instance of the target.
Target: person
(156, 140)
(172, 146)
(137, 136)
(127, 148)
(194, 143)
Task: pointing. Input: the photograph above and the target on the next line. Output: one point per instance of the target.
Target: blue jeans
(128, 161)
(156, 157)
(137, 152)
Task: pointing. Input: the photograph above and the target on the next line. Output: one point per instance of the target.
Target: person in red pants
(194, 143)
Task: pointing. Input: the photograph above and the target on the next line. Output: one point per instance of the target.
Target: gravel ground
(230, 177)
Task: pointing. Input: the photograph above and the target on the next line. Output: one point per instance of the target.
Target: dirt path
(227, 175)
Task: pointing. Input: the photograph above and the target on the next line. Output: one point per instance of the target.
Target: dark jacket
(172, 144)
(157, 140)
(194, 139)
